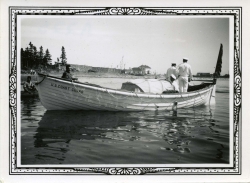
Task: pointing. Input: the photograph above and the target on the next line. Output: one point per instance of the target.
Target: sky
(156, 41)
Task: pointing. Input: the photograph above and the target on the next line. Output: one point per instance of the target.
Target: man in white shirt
(172, 85)
(170, 71)
(184, 71)
(174, 82)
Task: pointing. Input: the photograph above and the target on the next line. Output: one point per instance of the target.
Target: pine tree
(27, 57)
(22, 58)
(63, 57)
(40, 55)
(47, 58)
(31, 55)
(31, 48)
(35, 56)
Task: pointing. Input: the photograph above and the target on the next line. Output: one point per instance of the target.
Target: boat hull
(58, 94)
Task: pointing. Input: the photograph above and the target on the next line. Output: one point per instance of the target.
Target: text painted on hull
(66, 88)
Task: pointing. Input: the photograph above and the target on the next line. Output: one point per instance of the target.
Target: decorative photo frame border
(235, 12)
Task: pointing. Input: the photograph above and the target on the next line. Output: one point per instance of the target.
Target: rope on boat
(78, 90)
(111, 95)
(147, 80)
(115, 96)
(183, 100)
(106, 91)
(210, 111)
(149, 101)
(170, 103)
(41, 80)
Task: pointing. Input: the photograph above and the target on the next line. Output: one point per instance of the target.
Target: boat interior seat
(197, 87)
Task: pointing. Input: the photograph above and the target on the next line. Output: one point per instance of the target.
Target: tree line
(33, 58)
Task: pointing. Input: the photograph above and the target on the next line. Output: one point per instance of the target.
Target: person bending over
(67, 75)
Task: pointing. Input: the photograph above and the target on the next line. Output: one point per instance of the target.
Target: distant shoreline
(105, 75)
(90, 75)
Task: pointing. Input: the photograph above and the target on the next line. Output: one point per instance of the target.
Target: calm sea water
(196, 135)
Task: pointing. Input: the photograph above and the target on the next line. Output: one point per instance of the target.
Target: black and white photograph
(125, 91)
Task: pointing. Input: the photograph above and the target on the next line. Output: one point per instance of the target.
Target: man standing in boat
(170, 71)
(67, 74)
(184, 71)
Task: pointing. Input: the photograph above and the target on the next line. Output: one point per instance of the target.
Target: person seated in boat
(28, 86)
(67, 74)
(173, 86)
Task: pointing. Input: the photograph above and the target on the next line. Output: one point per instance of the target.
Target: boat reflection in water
(148, 137)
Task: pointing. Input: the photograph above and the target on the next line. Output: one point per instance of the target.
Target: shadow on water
(77, 125)
(91, 125)
(28, 106)
(128, 137)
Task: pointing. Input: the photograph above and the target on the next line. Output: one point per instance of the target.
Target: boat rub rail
(119, 92)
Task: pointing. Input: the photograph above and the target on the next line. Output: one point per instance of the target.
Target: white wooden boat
(60, 94)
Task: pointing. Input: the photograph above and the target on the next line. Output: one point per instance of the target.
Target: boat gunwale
(129, 93)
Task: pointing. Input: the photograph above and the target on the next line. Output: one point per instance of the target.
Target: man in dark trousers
(67, 74)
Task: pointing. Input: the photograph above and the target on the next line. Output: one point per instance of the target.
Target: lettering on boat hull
(66, 87)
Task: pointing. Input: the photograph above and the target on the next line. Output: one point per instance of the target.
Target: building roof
(145, 66)
(136, 69)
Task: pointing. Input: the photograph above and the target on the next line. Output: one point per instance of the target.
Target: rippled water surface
(196, 135)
